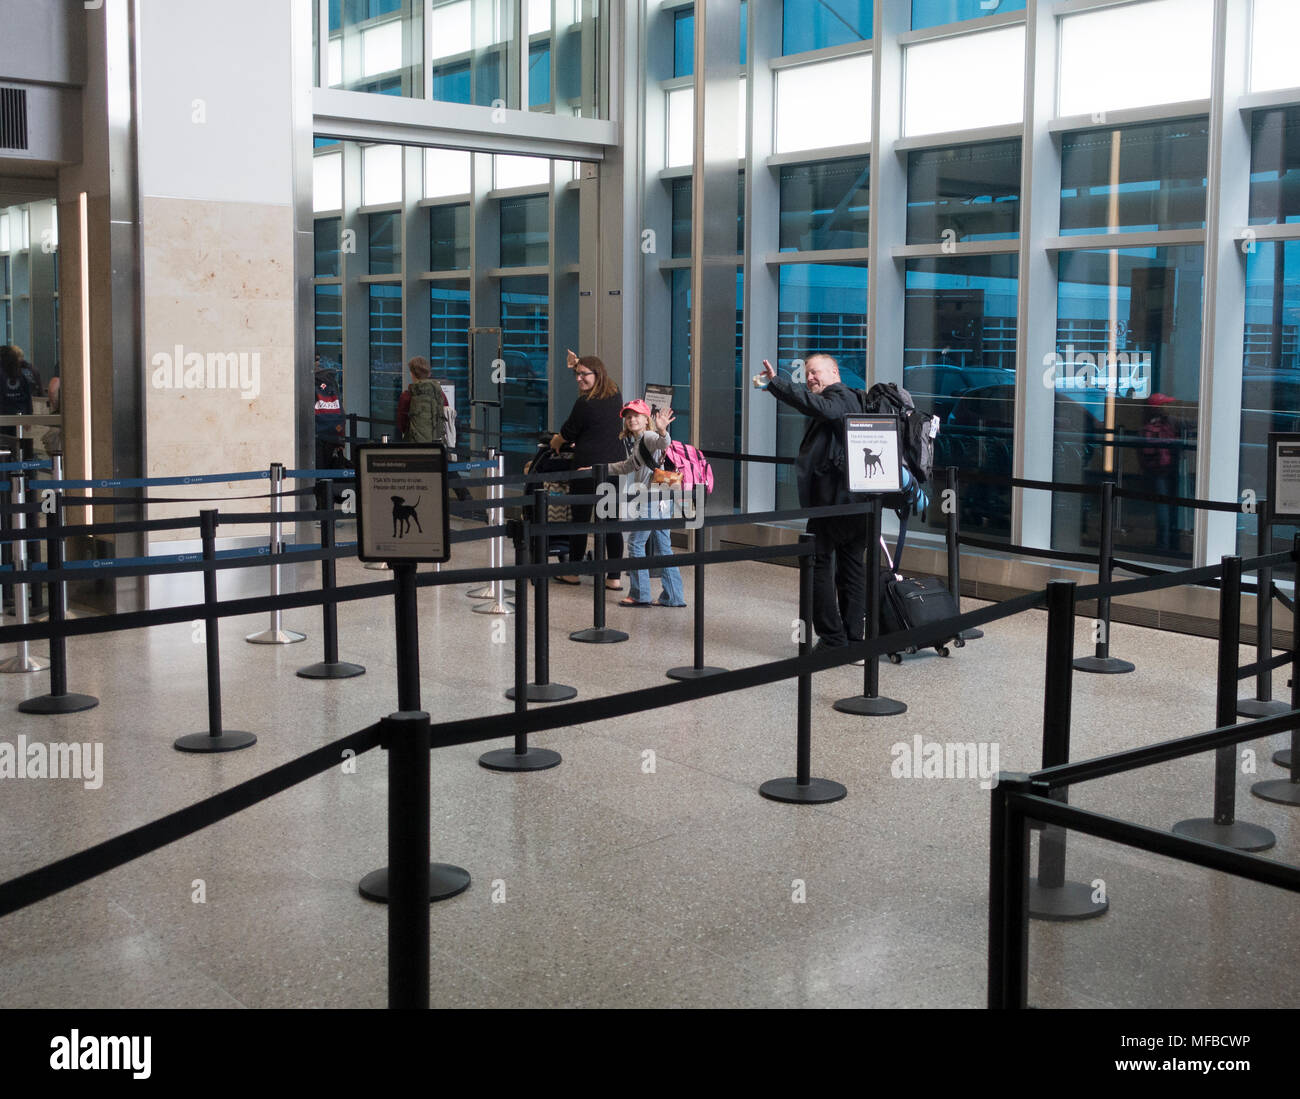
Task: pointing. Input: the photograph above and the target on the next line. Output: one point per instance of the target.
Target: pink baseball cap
(1158, 399)
(636, 406)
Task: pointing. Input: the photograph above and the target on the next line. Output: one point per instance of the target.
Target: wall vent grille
(13, 118)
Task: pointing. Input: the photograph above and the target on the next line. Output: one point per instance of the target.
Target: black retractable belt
(331, 667)
(216, 739)
(1223, 828)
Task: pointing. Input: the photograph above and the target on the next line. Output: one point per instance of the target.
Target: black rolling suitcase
(907, 603)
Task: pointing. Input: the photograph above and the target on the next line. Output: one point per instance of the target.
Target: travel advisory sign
(871, 445)
(402, 503)
(1284, 476)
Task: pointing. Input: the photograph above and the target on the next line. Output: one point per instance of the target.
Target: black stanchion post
(543, 690)
(698, 669)
(1051, 897)
(1101, 661)
(444, 879)
(1287, 790)
(871, 703)
(521, 757)
(952, 536)
(406, 735)
(1262, 705)
(216, 739)
(331, 667)
(803, 788)
(1008, 971)
(599, 633)
(352, 439)
(58, 701)
(1223, 828)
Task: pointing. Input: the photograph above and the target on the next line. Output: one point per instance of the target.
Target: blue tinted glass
(385, 351)
(935, 13)
(336, 18)
(1275, 167)
(449, 237)
(524, 231)
(681, 224)
(320, 142)
(489, 75)
(813, 24)
(1270, 387)
(451, 83)
(360, 10)
(744, 48)
(327, 246)
(448, 339)
(825, 205)
(972, 190)
(821, 307)
(525, 330)
(684, 43)
(385, 244)
(329, 327)
(1128, 357)
(1138, 178)
(539, 74)
(959, 357)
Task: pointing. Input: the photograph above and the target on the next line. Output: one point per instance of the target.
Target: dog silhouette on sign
(871, 460)
(403, 515)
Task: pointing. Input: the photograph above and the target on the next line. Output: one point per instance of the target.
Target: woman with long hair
(593, 428)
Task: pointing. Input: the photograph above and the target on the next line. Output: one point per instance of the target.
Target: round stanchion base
(1281, 790)
(276, 637)
(880, 706)
(1255, 707)
(229, 741)
(339, 669)
(692, 672)
(816, 792)
(17, 665)
(494, 608)
(58, 704)
(1238, 835)
(507, 759)
(545, 692)
(1283, 758)
(1058, 903)
(445, 881)
(486, 592)
(973, 634)
(1102, 665)
(594, 636)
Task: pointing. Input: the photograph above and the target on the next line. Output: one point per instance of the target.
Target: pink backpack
(691, 464)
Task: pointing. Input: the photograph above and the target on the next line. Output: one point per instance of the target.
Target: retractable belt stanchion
(1101, 661)
(444, 880)
(1223, 828)
(871, 703)
(698, 669)
(598, 634)
(954, 548)
(1051, 897)
(803, 788)
(496, 590)
(485, 592)
(376, 566)
(1262, 705)
(1287, 790)
(331, 667)
(543, 690)
(407, 737)
(22, 660)
(521, 757)
(215, 739)
(1008, 968)
(275, 634)
(59, 700)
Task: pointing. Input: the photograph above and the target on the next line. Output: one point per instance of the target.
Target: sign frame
(890, 459)
(658, 396)
(368, 515)
(1275, 503)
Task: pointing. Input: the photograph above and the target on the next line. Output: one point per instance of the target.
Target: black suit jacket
(820, 483)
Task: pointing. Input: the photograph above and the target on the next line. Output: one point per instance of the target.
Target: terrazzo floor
(645, 870)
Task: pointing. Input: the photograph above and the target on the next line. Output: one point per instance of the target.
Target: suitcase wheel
(960, 642)
(911, 650)
(942, 650)
(895, 658)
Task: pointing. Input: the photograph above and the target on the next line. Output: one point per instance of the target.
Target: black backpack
(916, 430)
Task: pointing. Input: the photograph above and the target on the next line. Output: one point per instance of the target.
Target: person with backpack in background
(1158, 460)
(644, 450)
(422, 408)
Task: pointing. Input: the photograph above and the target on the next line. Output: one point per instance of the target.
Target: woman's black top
(593, 427)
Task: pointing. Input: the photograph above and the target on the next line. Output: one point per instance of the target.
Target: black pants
(839, 578)
(582, 514)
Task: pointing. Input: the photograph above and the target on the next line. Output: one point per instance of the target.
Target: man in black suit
(839, 579)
